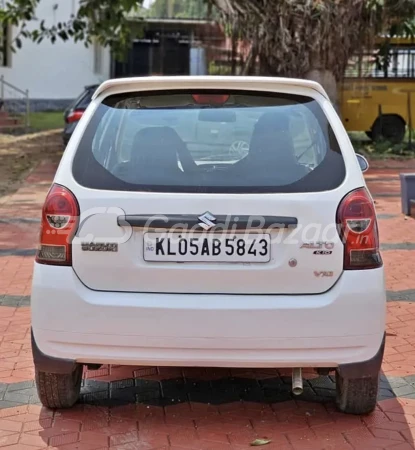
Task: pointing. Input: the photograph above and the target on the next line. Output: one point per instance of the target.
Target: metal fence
(14, 107)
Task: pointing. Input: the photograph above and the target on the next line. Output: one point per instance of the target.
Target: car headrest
(271, 139)
(156, 148)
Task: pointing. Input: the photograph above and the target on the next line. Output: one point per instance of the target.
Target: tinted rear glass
(209, 141)
(85, 100)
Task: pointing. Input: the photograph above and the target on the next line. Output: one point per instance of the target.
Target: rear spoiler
(208, 82)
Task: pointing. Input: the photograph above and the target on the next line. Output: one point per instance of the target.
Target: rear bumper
(343, 326)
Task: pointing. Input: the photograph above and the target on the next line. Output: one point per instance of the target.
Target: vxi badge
(320, 248)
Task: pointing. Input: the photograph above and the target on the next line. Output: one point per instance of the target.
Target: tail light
(210, 99)
(357, 225)
(60, 216)
(75, 116)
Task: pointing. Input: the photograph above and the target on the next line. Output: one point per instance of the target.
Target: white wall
(54, 71)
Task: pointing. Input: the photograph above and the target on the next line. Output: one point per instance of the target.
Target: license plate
(207, 248)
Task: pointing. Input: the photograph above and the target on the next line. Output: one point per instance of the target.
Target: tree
(195, 9)
(298, 38)
(314, 39)
(112, 22)
(185, 9)
(103, 20)
(160, 8)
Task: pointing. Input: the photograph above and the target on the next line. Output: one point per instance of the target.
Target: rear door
(165, 210)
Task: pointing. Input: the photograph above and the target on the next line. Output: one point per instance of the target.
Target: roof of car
(174, 82)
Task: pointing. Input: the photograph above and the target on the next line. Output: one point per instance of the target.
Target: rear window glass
(84, 99)
(209, 141)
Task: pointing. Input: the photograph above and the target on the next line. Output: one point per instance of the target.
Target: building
(55, 74)
(170, 47)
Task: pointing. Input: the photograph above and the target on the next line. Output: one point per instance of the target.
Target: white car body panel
(117, 308)
(344, 325)
(126, 270)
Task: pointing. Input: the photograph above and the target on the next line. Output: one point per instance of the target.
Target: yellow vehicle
(381, 100)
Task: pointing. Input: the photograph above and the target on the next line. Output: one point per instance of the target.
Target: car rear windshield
(209, 141)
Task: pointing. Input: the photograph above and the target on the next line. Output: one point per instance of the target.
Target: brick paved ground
(209, 409)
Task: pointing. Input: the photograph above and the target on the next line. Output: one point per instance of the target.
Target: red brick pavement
(16, 275)
(399, 270)
(293, 425)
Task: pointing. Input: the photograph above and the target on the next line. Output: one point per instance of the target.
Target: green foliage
(111, 23)
(398, 21)
(217, 69)
(383, 149)
(183, 9)
(102, 20)
(290, 37)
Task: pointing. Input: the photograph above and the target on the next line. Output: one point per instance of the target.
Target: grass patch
(43, 121)
(381, 149)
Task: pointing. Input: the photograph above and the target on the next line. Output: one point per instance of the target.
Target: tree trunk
(327, 79)
(249, 67)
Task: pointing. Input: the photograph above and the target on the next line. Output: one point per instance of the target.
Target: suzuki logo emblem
(207, 221)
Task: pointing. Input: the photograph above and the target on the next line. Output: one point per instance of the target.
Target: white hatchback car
(161, 245)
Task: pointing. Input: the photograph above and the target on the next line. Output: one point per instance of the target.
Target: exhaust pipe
(297, 382)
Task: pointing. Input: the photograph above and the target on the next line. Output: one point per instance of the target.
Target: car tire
(356, 395)
(390, 128)
(56, 390)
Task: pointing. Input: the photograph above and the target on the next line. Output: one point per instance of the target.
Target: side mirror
(363, 163)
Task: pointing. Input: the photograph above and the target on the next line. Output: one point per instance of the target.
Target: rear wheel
(356, 395)
(389, 128)
(57, 390)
